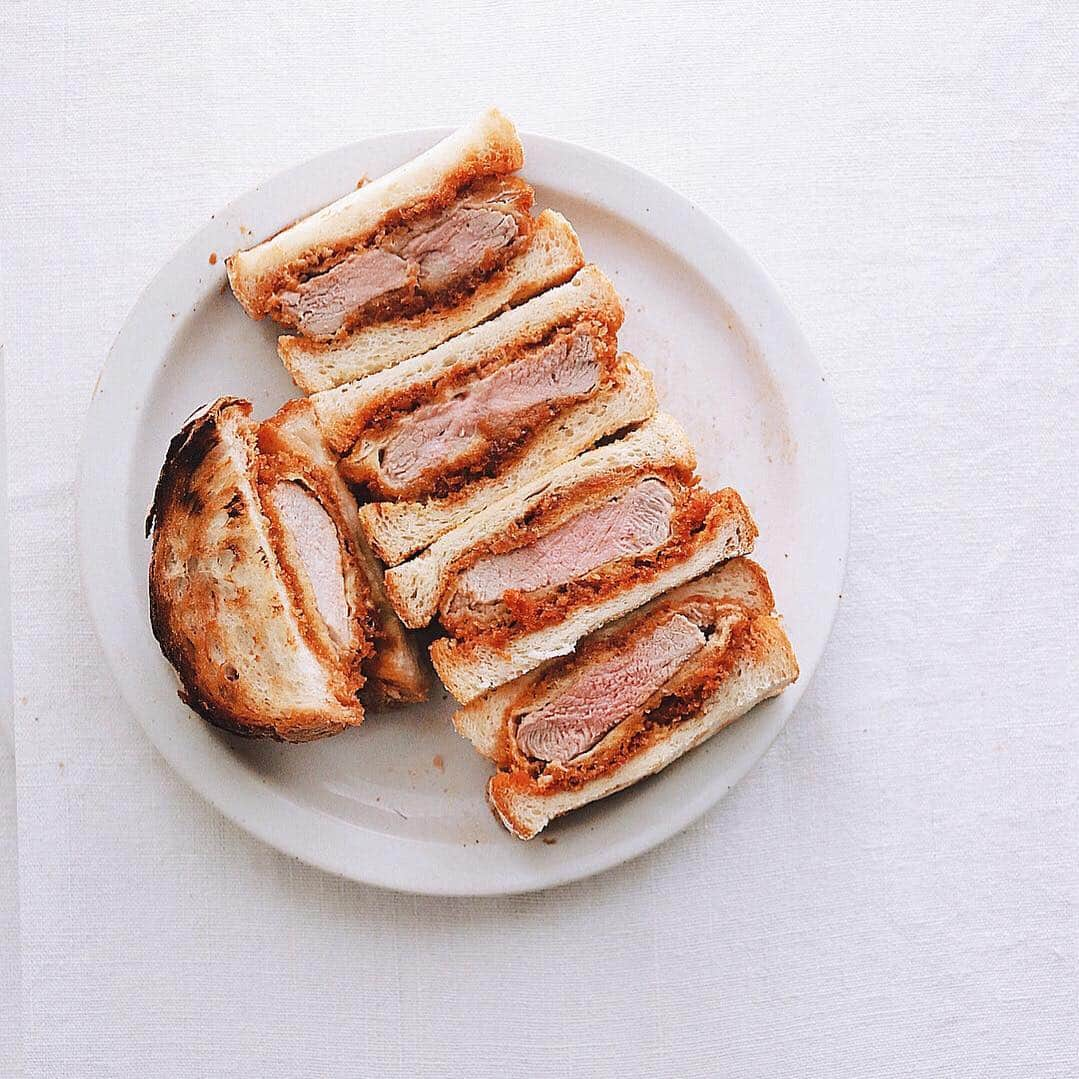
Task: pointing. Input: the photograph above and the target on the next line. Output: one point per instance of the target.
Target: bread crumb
(438, 762)
(213, 258)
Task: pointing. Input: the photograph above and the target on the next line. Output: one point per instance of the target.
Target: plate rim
(278, 829)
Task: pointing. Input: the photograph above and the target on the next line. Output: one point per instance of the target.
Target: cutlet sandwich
(441, 436)
(522, 581)
(634, 697)
(263, 594)
(403, 263)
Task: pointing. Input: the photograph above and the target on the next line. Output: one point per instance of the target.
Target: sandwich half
(260, 594)
(405, 261)
(589, 541)
(633, 698)
(440, 436)
(552, 256)
(394, 672)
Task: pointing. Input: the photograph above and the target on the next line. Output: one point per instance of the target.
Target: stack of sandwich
(475, 459)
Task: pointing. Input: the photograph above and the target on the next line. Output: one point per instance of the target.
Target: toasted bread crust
(396, 672)
(230, 600)
(223, 616)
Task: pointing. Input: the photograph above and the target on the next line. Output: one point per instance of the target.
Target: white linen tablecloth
(891, 891)
(9, 839)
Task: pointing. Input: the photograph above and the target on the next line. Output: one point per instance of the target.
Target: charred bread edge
(185, 453)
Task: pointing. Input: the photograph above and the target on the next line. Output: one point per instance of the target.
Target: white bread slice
(397, 530)
(551, 258)
(219, 603)
(416, 587)
(468, 669)
(341, 410)
(484, 720)
(764, 666)
(488, 146)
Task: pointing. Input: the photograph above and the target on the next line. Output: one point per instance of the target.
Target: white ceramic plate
(399, 802)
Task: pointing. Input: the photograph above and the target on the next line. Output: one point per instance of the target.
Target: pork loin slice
(317, 546)
(440, 435)
(635, 521)
(602, 696)
(476, 233)
(322, 305)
